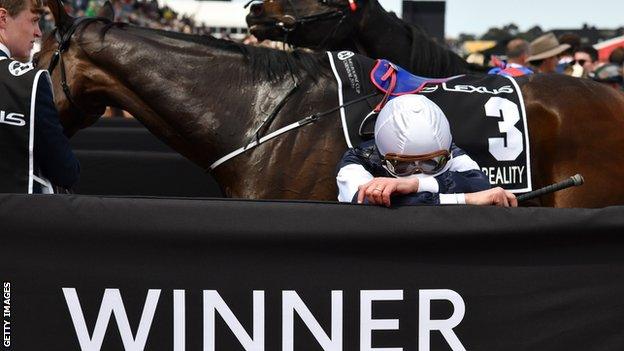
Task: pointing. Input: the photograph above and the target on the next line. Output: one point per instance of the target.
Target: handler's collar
(4, 50)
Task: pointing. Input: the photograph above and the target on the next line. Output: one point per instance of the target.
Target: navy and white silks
(361, 164)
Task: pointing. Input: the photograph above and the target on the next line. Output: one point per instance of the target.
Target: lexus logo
(343, 55)
(17, 68)
(14, 119)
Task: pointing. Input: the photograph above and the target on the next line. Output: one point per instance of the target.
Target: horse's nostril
(256, 9)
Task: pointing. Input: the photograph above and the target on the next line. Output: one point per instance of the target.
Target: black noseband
(63, 41)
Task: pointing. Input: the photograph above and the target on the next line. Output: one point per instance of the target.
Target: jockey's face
(18, 32)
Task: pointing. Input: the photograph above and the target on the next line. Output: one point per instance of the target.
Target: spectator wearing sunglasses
(586, 57)
(413, 161)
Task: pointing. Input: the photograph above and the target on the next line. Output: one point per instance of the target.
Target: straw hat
(545, 46)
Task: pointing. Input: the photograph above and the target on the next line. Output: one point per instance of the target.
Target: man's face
(584, 59)
(549, 65)
(20, 32)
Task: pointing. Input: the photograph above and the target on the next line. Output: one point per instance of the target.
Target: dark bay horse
(207, 97)
(369, 30)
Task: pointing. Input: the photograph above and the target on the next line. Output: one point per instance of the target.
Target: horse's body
(370, 30)
(203, 100)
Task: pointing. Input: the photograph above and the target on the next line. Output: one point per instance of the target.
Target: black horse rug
(486, 113)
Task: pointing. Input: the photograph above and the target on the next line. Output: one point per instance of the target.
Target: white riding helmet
(412, 125)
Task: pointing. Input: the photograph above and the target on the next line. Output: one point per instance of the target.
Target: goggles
(405, 165)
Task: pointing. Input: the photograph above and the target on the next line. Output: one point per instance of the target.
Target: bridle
(289, 23)
(63, 42)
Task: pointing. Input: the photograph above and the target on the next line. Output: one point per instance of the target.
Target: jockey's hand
(379, 190)
(495, 196)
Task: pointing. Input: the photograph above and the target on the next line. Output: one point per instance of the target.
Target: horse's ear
(61, 18)
(107, 11)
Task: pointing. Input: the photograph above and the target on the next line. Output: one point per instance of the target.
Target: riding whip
(575, 180)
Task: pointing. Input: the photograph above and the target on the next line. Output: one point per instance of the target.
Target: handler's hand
(379, 190)
(495, 196)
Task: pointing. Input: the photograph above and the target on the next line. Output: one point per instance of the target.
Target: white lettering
(291, 302)
(509, 147)
(429, 89)
(213, 302)
(504, 175)
(445, 326)
(254, 340)
(111, 304)
(368, 324)
(465, 88)
(179, 320)
(14, 119)
(6, 334)
(520, 173)
(6, 300)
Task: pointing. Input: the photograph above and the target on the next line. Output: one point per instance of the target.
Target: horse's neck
(383, 35)
(348, 44)
(187, 94)
(374, 27)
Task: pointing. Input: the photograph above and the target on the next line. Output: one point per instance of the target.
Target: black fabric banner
(89, 273)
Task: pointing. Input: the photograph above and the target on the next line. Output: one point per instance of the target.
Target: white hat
(412, 125)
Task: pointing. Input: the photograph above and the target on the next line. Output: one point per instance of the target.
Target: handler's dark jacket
(34, 149)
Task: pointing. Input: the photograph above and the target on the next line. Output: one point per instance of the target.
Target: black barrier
(89, 273)
(118, 156)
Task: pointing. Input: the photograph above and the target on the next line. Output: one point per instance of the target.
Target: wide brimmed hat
(546, 46)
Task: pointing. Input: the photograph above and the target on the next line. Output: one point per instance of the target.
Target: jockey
(414, 161)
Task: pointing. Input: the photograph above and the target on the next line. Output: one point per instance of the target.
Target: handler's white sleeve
(349, 178)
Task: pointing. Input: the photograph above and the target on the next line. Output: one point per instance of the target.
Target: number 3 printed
(505, 151)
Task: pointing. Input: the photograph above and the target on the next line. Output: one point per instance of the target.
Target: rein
(63, 44)
(300, 123)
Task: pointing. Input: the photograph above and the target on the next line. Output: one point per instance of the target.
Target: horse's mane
(266, 63)
(433, 58)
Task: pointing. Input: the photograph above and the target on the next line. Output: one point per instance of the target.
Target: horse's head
(70, 67)
(309, 23)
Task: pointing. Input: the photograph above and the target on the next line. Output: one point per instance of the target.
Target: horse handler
(35, 153)
(413, 161)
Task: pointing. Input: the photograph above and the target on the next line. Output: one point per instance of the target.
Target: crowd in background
(148, 13)
(578, 60)
(563, 55)
(144, 13)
